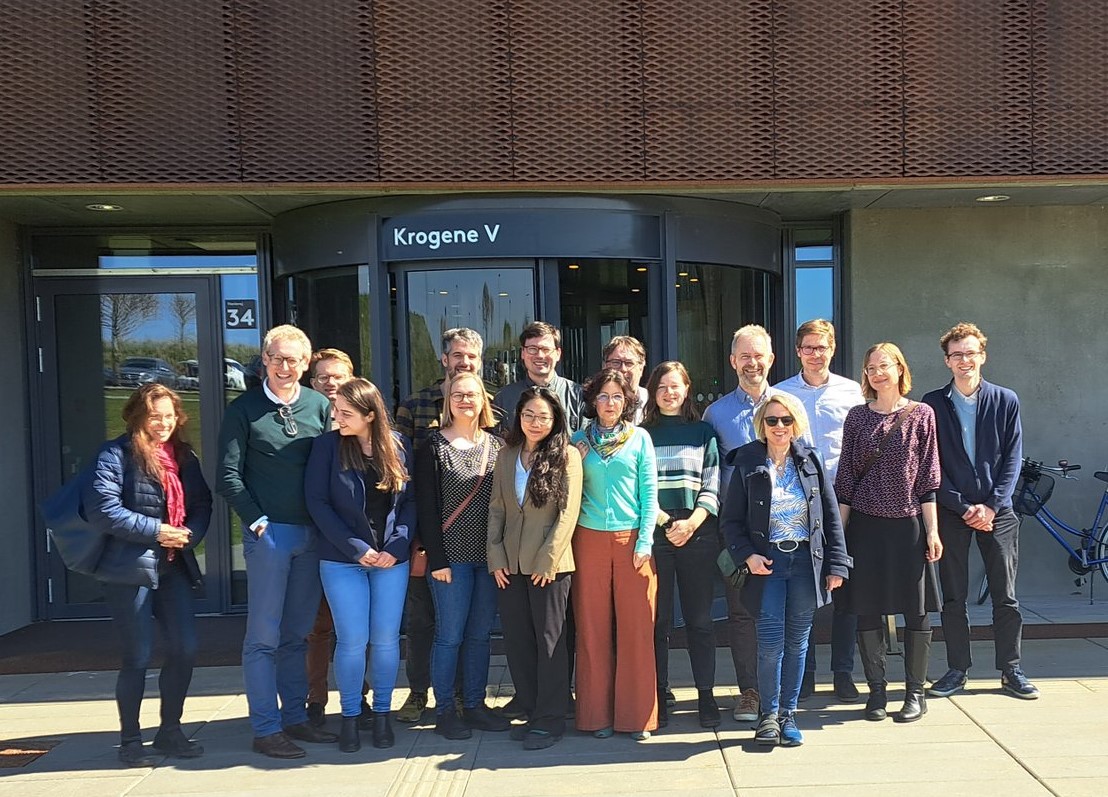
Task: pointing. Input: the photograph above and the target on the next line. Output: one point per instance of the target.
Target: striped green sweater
(688, 464)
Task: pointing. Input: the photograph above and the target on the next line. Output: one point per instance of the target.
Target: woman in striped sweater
(685, 545)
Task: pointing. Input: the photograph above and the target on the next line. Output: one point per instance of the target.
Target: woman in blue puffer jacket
(148, 495)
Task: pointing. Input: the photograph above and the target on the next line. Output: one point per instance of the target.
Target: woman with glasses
(780, 519)
(148, 497)
(614, 586)
(685, 546)
(357, 488)
(536, 498)
(888, 475)
(454, 469)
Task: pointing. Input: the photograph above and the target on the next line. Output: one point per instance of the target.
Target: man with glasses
(980, 450)
(330, 370)
(264, 444)
(732, 416)
(628, 356)
(827, 398)
(541, 351)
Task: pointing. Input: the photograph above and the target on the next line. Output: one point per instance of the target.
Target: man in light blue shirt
(732, 416)
(827, 398)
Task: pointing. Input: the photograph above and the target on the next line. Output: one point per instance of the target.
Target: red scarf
(174, 491)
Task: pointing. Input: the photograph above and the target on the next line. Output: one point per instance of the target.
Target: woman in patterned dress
(454, 471)
(781, 520)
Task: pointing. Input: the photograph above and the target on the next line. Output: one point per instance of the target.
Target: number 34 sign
(240, 313)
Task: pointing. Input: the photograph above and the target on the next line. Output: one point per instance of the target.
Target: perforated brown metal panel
(577, 99)
(837, 70)
(1070, 88)
(47, 125)
(967, 87)
(305, 86)
(444, 91)
(708, 108)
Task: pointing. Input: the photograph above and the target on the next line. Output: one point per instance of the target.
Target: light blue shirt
(965, 407)
(788, 505)
(732, 416)
(521, 479)
(827, 406)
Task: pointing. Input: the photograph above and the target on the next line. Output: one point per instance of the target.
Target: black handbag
(78, 544)
(732, 573)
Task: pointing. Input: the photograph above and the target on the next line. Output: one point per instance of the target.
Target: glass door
(101, 339)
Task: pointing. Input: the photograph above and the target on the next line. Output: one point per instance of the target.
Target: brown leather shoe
(277, 745)
(304, 732)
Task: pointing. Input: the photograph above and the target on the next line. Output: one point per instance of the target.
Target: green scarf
(607, 443)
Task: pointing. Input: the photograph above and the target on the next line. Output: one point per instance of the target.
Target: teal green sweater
(688, 464)
(261, 468)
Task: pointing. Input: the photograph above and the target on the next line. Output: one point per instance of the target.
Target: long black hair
(548, 481)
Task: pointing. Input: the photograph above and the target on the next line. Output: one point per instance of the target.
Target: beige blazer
(531, 539)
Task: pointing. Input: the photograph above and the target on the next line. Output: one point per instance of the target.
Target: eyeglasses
(536, 351)
(880, 368)
(285, 411)
(814, 349)
(614, 363)
(288, 362)
(610, 398)
(967, 356)
(542, 420)
(458, 398)
(330, 378)
(784, 420)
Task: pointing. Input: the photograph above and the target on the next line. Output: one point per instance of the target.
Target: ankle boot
(349, 740)
(382, 730)
(871, 646)
(917, 650)
(663, 709)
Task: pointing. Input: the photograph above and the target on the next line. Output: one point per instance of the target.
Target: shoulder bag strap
(476, 488)
(871, 460)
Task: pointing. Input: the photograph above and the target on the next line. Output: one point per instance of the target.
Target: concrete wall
(17, 572)
(1034, 280)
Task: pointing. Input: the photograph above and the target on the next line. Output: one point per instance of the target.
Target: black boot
(382, 730)
(663, 710)
(871, 646)
(917, 650)
(349, 740)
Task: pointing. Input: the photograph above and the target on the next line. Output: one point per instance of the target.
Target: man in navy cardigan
(980, 446)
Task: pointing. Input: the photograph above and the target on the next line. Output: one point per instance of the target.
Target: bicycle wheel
(1101, 551)
(983, 590)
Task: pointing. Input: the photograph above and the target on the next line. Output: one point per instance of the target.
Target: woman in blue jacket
(781, 520)
(357, 488)
(148, 496)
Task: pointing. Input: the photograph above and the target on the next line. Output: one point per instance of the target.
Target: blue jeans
(464, 613)
(133, 610)
(367, 604)
(283, 590)
(784, 622)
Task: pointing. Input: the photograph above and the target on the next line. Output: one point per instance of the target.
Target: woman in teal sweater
(615, 584)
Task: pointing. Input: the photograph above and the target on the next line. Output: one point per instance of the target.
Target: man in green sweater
(264, 444)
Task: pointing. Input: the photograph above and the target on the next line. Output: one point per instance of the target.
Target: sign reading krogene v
(433, 239)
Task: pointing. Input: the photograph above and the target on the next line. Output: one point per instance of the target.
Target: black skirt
(891, 574)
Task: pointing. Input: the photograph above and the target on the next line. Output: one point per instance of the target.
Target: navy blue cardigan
(744, 517)
(336, 501)
(991, 479)
(127, 505)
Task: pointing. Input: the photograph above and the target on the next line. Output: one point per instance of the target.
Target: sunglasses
(285, 411)
(784, 420)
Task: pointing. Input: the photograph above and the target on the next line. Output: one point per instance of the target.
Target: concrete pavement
(980, 742)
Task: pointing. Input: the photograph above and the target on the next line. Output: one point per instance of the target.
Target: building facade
(176, 177)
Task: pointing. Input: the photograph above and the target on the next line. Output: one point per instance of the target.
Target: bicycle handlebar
(1064, 467)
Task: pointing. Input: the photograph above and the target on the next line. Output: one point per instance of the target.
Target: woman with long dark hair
(357, 489)
(685, 545)
(536, 498)
(148, 496)
(614, 586)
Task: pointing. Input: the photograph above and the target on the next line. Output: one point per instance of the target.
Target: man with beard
(732, 416)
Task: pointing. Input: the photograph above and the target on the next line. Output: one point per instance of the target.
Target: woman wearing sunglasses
(536, 498)
(888, 475)
(780, 518)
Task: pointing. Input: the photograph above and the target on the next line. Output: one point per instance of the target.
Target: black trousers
(1000, 552)
(693, 568)
(419, 627)
(533, 620)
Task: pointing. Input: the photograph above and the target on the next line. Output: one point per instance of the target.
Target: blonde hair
(287, 332)
(897, 356)
(794, 408)
(485, 418)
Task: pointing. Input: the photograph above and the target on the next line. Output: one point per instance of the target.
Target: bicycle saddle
(1102, 475)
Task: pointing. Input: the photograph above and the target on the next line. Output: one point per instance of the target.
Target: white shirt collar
(273, 396)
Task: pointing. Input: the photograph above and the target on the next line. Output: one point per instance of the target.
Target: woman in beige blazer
(536, 497)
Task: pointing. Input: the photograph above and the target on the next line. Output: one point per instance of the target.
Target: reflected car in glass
(135, 371)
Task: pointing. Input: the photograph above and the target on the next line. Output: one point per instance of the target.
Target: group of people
(575, 511)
